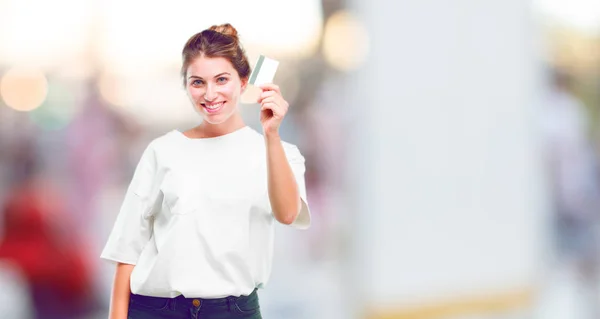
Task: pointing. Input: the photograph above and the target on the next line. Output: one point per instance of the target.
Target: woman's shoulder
(165, 141)
(158, 147)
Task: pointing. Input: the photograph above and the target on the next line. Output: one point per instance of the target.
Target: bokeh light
(23, 89)
(58, 109)
(111, 89)
(345, 41)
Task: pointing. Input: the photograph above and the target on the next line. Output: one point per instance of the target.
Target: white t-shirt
(196, 219)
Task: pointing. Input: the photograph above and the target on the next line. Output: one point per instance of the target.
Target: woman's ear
(244, 85)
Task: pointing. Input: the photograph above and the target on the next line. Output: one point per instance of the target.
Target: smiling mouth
(213, 107)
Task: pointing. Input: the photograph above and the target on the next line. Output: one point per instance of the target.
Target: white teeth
(214, 106)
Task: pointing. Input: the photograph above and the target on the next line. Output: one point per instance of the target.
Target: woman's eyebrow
(216, 76)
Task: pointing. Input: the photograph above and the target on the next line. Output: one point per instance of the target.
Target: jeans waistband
(204, 301)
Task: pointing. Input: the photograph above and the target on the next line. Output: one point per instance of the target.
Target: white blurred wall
(449, 193)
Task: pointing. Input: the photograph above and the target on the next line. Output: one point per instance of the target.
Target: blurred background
(452, 150)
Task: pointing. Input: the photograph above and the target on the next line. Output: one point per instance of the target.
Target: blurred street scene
(452, 150)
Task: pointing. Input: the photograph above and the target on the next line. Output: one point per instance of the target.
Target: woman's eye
(197, 82)
(222, 79)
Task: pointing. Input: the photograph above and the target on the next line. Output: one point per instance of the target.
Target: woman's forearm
(119, 302)
(283, 190)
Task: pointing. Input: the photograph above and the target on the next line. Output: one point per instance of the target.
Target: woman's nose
(210, 94)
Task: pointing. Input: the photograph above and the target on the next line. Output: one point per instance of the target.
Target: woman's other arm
(119, 301)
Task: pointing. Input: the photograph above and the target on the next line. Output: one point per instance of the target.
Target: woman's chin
(215, 119)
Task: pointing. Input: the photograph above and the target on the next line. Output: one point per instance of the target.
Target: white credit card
(264, 71)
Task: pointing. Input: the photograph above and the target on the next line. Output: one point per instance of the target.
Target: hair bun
(226, 29)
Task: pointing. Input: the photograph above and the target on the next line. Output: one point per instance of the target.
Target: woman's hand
(273, 108)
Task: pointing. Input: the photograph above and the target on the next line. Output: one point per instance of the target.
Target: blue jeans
(144, 307)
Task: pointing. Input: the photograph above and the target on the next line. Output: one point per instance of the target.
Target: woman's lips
(213, 107)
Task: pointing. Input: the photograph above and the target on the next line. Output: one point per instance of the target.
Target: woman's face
(214, 87)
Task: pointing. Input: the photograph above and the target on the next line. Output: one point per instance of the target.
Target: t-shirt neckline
(220, 137)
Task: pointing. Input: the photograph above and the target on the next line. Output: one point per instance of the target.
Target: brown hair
(217, 41)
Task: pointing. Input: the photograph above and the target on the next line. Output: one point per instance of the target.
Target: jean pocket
(244, 310)
(248, 305)
(148, 303)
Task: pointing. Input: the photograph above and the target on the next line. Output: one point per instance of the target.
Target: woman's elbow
(287, 219)
(289, 214)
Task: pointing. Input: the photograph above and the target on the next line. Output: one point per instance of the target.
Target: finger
(270, 87)
(271, 99)
(266, 94)
(268, 106)
(271, 106)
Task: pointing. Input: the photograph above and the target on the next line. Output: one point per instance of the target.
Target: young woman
(194, 235)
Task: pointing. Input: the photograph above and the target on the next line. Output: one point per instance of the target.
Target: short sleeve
(133, 227)
(296, 161)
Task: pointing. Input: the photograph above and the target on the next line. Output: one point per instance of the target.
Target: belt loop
(230, 303)
(172, 304)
